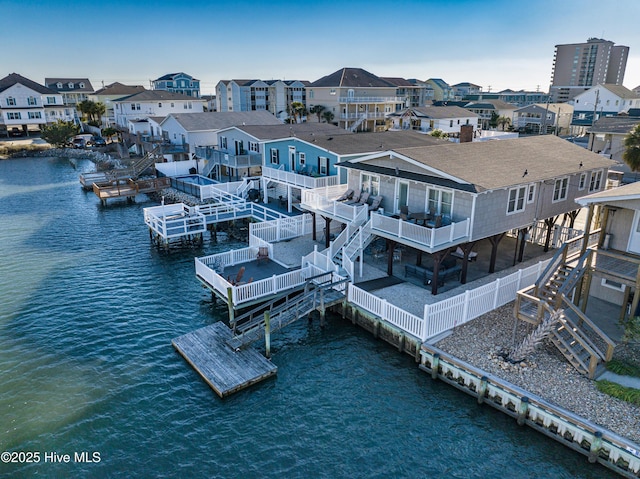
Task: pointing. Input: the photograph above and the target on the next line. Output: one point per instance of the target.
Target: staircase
(350, 243)
(116, 175)
(317, 294)
(579, 340)
(359, 122)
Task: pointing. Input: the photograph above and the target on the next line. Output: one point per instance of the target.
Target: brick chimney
(466, 133)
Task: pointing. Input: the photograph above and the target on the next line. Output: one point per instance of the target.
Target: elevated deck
(224, 369)
(128, 188)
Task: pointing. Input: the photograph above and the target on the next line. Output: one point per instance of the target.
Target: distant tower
(580, 66)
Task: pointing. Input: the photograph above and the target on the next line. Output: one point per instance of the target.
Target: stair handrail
(557, 259)
(567, 304)
(574, 276)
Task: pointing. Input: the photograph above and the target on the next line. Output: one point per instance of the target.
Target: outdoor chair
(347, 195)
(404, 213)
(263, 253)
(364, 197)
(238, 276)
(354, 199)
(375, 204)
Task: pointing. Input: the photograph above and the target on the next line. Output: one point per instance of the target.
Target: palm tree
(328, 116)
(631, 155)
(296, 109)
(317, 109)
(504, 121)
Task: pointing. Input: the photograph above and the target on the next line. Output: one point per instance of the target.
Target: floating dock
(223, 368)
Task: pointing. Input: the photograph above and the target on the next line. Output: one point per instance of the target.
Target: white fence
(323, 200)
(298, 180)
(281, 229)
(210, 269)
(449, 313)
(432, 237)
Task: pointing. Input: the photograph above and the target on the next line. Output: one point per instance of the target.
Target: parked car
(78, 143)
(96, 141)
(15, 131)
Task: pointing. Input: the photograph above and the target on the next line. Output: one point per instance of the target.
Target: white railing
(408, 322)
(336, 245)
(452, 312)
(269, 286)
(175, 220)
(298, 180)
(319, 260)
(559, 234)
(206, 270)
(323, 199)
(449, 313)
(431, 237)
(372, 99)
(360, 241)
(363, 115)
(282, 228)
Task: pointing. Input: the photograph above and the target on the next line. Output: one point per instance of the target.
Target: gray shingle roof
(13, 78)
(359, 143)
(157, 95)
(118, 88)
(304, 131)
(620, 91)
(498, 164)
(620, 125)
(216, 120)
(351, 78)
(53, 82)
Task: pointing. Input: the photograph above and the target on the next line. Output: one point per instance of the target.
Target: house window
(58, 85)
(51, 100)
(450, 123)
(223, 142)
(70, 86)
(596, 180)
(583, 181)
(81, 85)
(35, 114)
(302, 158)
(135, 106)
(516, 199)
(310, 94)
(32, 101)
(371, 184)
(11, 101)
(253, 146)
(159, 105)
(531, 193)
(323, 163)
(440, 201)
(172, 105)
(560, 189)
(13, 115)
(275, 156)
(184, 105)
(52, 113)
(607, 283)
(332, 91)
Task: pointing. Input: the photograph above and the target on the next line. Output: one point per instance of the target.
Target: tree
(631, 155)
(58, 133)
(317, 110)
(109, 132)
(328, 116)
(493, 122)
(504, 121)
(439, 134)
(296, 109)
(91, 110)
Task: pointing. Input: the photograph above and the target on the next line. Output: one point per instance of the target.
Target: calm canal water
(88, 309)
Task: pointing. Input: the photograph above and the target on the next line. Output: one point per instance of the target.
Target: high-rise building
(580, 66)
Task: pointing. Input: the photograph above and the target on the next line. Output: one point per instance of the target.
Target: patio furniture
(458, 253)
(404, 213)
(354, 199)
(436, 222)
(421, 217)
(347, 195)
(263, 254)
(444, 274)
(419, 272)
(364, 197)
(375, 204)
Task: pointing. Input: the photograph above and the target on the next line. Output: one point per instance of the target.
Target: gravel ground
(546, 373)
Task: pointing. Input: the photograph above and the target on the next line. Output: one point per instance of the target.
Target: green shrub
(625, 368)
(616, 390)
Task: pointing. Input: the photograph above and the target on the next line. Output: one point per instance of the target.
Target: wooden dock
(224, 369)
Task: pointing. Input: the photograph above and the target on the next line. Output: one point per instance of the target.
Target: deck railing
(210, 269)
(298, 180)
(282, 228)
(324, 200)
(430, 237)
(449, 313)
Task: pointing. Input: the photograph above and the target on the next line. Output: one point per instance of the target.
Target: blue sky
(497, 44)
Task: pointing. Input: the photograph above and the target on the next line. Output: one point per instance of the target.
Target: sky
(495, 44)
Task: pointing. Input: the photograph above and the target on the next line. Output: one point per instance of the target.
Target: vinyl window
(560, 189)
(275, 156)
(596, 181)
(516, 199)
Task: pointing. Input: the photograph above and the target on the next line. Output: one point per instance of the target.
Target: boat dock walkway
(225, 369)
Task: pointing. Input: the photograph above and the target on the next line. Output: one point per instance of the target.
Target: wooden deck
(224, 369)
(129, 188)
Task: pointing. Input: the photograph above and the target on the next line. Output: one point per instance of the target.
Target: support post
(267, 334)
(522, 411)
(435, 364)
(482, 389)
(594, 450)
(230, 305)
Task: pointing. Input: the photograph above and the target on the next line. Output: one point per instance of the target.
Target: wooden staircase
(576, 336)
(319, 293)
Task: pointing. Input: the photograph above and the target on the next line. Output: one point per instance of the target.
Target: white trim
(605, 282)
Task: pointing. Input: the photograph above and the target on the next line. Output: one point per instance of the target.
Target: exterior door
(634, 236)
(292, 158)
(402, 195)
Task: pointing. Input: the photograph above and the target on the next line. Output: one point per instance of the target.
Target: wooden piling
(522, 411)
(267, 334)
